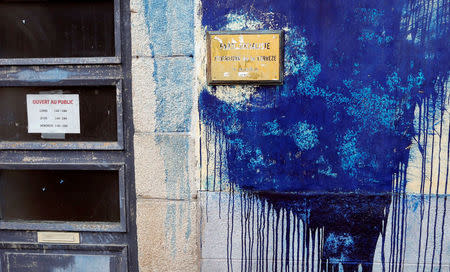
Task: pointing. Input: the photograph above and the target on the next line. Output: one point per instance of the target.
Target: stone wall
(165, 156)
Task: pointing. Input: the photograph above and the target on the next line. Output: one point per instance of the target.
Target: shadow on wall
(364, 80)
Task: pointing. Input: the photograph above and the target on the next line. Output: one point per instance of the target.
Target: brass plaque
(58, 237)
(245, 57)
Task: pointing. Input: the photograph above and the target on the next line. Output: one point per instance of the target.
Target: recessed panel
(92, 116)
(60, 195)
(34, 262)
(56, 29)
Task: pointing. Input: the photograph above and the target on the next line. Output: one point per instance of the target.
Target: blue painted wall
(332, 144)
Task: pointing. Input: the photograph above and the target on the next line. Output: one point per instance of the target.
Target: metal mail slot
(58, 237)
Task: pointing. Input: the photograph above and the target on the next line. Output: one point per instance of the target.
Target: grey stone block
(163, 91)
(144, 101)
(167, 235)
(165, 166)
(174, 94)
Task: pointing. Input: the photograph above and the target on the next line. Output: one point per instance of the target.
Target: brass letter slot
(59, 237)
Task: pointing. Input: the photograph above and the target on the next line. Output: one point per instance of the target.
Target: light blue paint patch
(340, 243)
(309, 73)
(380, 38)
(393, 81)
(295, 52)
(242, 148)
(372, 20)
(171, 228)
(272, 128)
(170, 26)
(174, 151)
(327, 172)
(187, 235)
(348, 83)
(299, 64)
(335, 241)
(158, 18)
(233, 126)
(304, 135)
(370, 16)
(180, 215)
(258, 161)
(243, 19)
(367, 35)
(375, 112)
(414, 202)
(147, 16)
(177, 182)
(54, 75)
(420, 79)
(351, 156)
(174, 96)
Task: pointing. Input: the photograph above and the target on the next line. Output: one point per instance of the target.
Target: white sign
(53, 113)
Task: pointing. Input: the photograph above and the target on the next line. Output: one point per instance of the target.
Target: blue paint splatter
(343, 120)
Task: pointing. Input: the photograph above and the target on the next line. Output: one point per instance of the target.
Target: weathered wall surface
(345, 166)
(166, 163)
